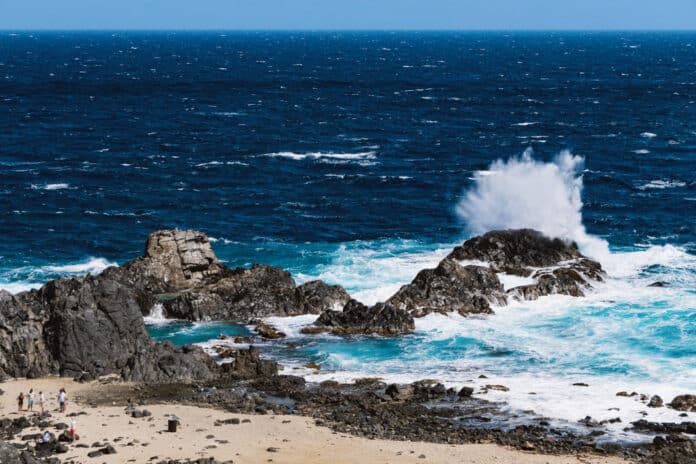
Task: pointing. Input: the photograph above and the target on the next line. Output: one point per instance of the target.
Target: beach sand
(264, 438)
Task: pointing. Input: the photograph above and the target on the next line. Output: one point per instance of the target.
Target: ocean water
(361, 158)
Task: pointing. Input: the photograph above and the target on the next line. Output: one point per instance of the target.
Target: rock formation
(92, 326)
(468, 281)
(358, 319)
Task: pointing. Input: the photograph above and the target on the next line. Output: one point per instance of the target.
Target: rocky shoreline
(91, 327)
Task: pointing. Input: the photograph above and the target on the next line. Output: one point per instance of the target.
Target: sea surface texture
(362, 158)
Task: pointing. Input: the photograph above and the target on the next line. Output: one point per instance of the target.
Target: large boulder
(684, 403)
(358, 319)
(451, 287)
(174, 260)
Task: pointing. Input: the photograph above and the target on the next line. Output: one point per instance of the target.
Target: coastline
(280, 438)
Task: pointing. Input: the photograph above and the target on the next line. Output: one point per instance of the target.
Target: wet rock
(450, 287)
(267, 331)
(655, 402)
(659, 283)
(358, 319)
(399, 392)
(248, 365)
(465, 392)
(684, 403)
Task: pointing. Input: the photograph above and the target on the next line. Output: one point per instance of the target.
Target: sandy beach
(257, 438)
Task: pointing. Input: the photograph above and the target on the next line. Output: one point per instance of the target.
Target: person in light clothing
(62, 399)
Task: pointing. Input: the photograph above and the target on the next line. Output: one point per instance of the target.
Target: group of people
(62, 400)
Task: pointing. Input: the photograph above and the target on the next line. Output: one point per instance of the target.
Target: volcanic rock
(358, 319)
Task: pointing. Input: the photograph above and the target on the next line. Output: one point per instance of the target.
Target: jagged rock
(248, 365)
(174, 260)
(356, 318)
(316, 297)
(400, 392)
(93, 326)
(450, 287)
(267, 330)
(684, 403)
(260, 291)
(88, 326)
(513, 251)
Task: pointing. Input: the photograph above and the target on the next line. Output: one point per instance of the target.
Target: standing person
(62, 398)
(20, 401)
(42, 401)
(30, 400)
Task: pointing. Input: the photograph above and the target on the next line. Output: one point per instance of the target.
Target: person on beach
(30, 400)
(20, 401)
(42, 401)
(62, 398)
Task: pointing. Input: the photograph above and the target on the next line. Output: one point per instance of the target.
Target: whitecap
(368, 155)
(59, 186)
(662, 184)
(91, 266)
(648, 135)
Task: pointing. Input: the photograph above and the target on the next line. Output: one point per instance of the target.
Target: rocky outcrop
(467, 280)
(88, 327)
(174, 260)
(450, 287)
(358, 319)
(93, 326)
(244, 294)
(557, 266)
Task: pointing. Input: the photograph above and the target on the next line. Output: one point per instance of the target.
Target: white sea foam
(662, 184)
(648, 135)
(90, 266)
(18, 287)
(156, 316)
(368, 155)
(59, 186)
(511, 281)
(374, 271)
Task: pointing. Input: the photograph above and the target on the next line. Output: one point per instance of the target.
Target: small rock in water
(656, 402)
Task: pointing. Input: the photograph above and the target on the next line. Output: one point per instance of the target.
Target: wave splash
(522, 192)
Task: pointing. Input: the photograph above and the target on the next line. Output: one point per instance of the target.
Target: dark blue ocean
(361, 158)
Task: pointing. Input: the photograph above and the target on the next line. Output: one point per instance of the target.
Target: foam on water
(368, 155)
(28, 277)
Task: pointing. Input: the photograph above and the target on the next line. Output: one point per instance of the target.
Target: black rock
(358, 319)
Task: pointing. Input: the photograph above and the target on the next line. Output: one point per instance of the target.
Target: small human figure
(20, 401)
(62, 399)
(42, 401)
(73, 428)
(30, 400)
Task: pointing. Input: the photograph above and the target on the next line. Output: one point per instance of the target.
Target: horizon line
(329, 30)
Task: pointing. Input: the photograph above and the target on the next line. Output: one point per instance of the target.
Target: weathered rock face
(513, 251)
(467, 281)
(244, 294)
(174, 260)
(450, 287)
(358, 319)
(684, 403)
(92, 326)
(89, 326)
